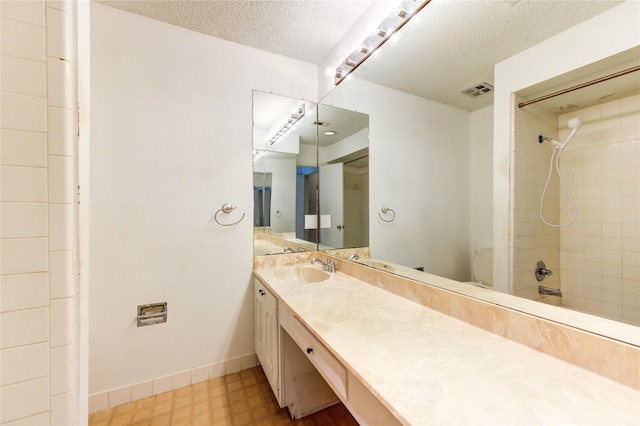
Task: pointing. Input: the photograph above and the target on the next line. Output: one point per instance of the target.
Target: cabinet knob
(261, 292)
(309, 350)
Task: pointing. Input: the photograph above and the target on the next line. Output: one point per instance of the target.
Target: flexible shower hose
(564, 186)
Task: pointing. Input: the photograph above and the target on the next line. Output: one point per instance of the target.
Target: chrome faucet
(288, 250)
(327, 265)
(549, 291)
(354, 256)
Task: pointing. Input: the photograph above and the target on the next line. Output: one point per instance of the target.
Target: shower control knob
(541, 271)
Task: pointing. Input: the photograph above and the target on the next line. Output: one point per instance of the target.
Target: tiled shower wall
(533, 240)
(596, 259)
(38, 294)
(600, 252)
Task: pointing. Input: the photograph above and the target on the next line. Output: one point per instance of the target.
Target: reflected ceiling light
(402, 14)
(291, 120)
(381, 33)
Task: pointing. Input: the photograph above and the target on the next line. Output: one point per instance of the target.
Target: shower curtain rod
(580, 86)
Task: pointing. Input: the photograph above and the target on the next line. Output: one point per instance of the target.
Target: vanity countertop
(430, 368)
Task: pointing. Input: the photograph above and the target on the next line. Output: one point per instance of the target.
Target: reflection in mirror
(343, 158)
(284, 174)
(431, 161)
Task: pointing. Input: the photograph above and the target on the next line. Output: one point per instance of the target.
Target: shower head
(574, 124)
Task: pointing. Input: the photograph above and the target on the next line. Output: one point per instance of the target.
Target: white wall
(481, 180)
(283, 189)
(38, 301)
(171, 141)
(419, 166)
(356, 142)
(607, 34)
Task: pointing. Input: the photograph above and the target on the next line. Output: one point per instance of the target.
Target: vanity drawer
(330, 368)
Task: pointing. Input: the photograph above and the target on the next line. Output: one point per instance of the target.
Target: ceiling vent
(478, 90)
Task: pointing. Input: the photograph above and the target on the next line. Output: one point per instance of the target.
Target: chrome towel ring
(227, 208)
(384, 210)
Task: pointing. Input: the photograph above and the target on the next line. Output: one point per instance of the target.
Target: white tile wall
(23, 184)
(36, 213)
(25, 291)
(31, 12)
(119, 396)
(98, 402)
(24, 399)
(62, 323)
(141, 390)
(114, 397)
(24, 112)
(24, 220)
(23, 256)
(59, 83)
(533, 240)
(199, 374)
(24, 327)
(23, 148)
(24, 76)
(60, 227)
(60, 179)
(60, 274)
(58, 34)
(61, 406)
(607, 183)
(162, 385)
(61, 365)
(24, 363)
(22, 40)
(38, 419)
(600, 252)
(60, 132)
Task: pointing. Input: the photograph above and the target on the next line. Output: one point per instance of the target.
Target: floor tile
(238, 399)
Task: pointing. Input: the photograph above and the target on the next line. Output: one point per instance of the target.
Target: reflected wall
(419, 167)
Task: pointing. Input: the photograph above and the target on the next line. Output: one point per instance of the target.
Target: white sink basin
(302, 274)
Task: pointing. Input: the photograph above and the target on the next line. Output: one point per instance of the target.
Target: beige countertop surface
(428, 368)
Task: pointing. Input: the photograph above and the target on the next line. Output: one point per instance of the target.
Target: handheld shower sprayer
(574, 124)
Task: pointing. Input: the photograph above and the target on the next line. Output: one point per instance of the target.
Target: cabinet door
(259, 321)
(270, 343)
(266, 334)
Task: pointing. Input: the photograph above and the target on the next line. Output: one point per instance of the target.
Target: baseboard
(125, 394)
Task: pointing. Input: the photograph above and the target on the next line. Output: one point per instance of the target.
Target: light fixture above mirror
(401, 14)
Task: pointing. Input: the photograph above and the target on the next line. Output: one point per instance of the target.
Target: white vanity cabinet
(304, 375)
(267, 341)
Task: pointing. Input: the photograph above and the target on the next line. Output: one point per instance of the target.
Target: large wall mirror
(429, 96)
(299, 147)
(285, 177)
(343, 160)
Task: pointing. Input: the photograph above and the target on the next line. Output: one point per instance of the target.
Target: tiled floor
(243, 398)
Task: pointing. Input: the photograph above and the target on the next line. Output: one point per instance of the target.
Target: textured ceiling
(300, 29)
(451, 46)
(455, 44)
